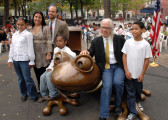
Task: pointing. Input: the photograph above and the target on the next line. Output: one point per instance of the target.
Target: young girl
(136, 56)
(22, 56)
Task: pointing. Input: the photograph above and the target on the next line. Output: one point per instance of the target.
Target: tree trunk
(71, 9)
(19, 10)
(76, 11)
(82, 14)
(124, 12)
(98, 14)
(15, 4)
(6, 11)
(107, 12)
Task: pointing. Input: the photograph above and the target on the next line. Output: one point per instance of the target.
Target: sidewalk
(11, 107)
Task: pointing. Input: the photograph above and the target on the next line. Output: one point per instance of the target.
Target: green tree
(115, 7)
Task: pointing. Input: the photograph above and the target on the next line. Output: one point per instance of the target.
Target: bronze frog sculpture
(79, 74)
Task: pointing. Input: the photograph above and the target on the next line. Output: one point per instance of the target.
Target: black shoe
(118, 111)
(102, 118)
(35, 99)
(24, 98)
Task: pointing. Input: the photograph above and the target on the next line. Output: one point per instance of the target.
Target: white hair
(111, 24)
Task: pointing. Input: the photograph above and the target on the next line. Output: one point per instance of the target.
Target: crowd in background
(89, 32)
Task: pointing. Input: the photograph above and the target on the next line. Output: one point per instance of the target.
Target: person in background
(120, 31)
(3, 38)
(13, 30)
(21, 55)
(9, 36)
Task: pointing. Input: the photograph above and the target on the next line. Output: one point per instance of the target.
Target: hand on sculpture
(84, 52)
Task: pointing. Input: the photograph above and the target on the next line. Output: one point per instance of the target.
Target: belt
(114, 64)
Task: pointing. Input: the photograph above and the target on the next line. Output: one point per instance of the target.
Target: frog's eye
(61, 57)
(84, 63)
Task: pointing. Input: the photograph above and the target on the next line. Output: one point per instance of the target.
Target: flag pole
(155, 37)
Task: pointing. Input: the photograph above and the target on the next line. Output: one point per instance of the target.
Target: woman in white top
(21, 55)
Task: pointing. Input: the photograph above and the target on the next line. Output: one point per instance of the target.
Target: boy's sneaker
(131, 117)
(118, 111)
(40, 100)
(48, 98)
(35, 99)
(140, 107)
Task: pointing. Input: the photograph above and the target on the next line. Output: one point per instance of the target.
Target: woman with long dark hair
(42, 44)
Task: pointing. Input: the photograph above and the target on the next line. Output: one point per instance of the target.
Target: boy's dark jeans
(134, 89)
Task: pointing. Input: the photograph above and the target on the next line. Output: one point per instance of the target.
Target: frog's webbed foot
(59, 102)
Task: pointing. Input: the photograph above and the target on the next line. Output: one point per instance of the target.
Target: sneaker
(48, 98)
(131, 117)
(140, 107)
(24, 98)
(35, 99)
(40, 100)
(102, 118)
(118, 111)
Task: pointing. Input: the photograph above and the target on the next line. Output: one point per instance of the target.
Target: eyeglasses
(106, 28)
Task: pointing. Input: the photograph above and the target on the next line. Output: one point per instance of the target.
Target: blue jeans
(26, 83)
(111, 77)
(134, 89)
(46, 85)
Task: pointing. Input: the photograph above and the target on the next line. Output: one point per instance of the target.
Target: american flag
(156, 23)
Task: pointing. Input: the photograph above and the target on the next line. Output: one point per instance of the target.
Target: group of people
(6, 33)
(33, 47)
(121, 62)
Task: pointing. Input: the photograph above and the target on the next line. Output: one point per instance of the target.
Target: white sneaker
(131, 117)
(140, 107)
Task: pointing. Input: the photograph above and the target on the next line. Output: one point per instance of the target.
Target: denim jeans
(111, 77)
(46, 85)
(26, 83)
(134, 89)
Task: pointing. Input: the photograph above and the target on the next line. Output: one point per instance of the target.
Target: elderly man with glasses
(108, 56)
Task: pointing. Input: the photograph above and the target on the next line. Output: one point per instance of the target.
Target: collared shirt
(111, 49)
(65, 49)
(53, 29)
(21, 48)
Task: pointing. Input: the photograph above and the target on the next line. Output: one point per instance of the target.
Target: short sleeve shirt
(136, 52)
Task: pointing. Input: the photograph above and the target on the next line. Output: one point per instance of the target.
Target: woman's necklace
(36, 29)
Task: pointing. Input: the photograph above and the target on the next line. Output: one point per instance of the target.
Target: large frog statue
(79, 74)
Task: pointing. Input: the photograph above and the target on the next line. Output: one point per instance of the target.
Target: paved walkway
(11, 107)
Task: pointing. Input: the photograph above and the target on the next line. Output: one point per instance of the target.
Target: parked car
(99, 18)
(91, 18)
(118, 18)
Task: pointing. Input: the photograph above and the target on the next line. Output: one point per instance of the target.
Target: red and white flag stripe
(155, 30)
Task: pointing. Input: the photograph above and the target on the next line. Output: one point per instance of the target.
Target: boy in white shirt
(137, 52)
(47, 88)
